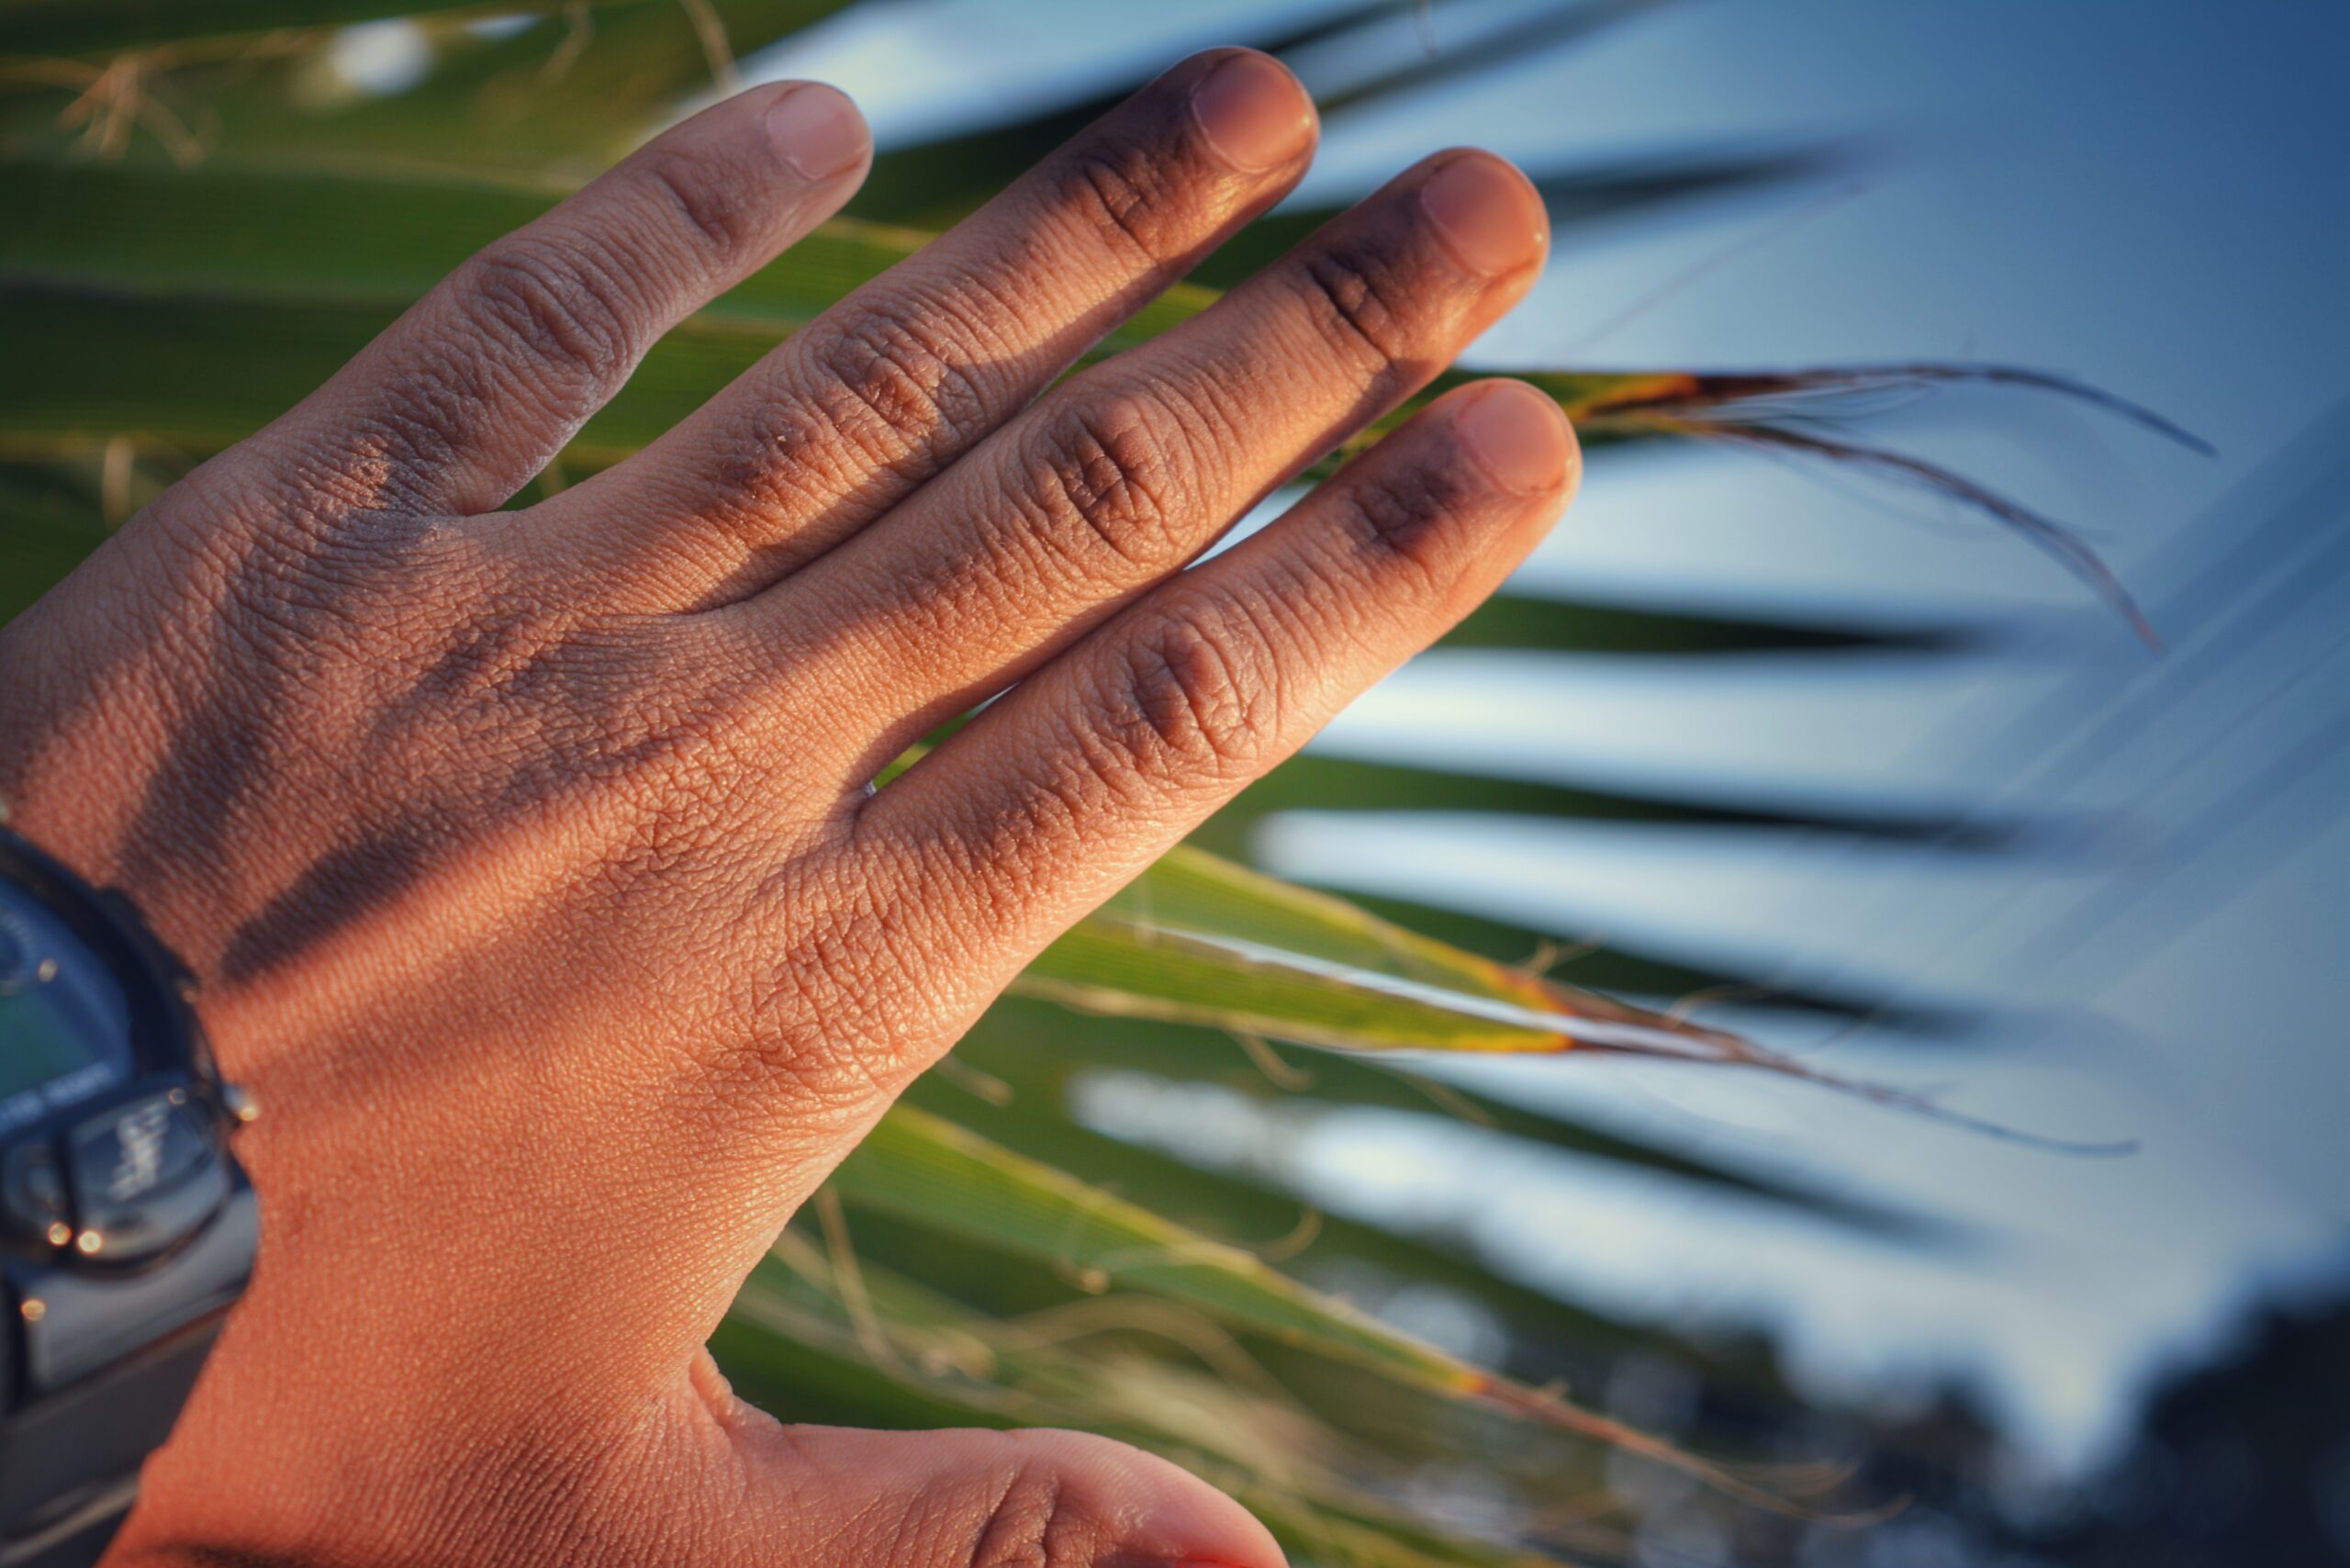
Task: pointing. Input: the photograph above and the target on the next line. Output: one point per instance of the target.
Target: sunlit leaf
(383, 240)
(932, 1172)
(89, 27)
(1201, 939)
(302, 215)
(810, 1317)
(1035, 1051)
(785, 1350)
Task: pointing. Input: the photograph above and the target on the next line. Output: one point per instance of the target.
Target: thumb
(984, 1499)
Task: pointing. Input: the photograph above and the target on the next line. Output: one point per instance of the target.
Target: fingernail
(818, 130)
(1488, 213)
(1518, 437)
(1253, 112)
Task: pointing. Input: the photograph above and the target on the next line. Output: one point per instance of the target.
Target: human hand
(526, 858)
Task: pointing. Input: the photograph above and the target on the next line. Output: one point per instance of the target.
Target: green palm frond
(929, 1172)
(302, 217)
(113, 27)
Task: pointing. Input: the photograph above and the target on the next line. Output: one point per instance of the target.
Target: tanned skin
(527, 860)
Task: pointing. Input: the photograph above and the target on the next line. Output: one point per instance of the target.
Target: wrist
(370, 1468)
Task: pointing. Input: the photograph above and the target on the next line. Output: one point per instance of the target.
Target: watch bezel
(97, 1352)
(167, 1045)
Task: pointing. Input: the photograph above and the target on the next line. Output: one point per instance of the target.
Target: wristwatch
(127, 1229)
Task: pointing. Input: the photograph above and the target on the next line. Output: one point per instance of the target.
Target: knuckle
(774, 454)
(1395, 523)
(1031, 1522)
(899, 386)
(438, 408)
(552, 309)
(1120, 475)
(537, 318)
(1046, 1498)
(1129, 194)
(1015, 1511)
(1358, 296)
(722, 217)
(1192, 694)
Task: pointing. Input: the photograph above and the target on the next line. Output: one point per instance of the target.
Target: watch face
(64, 1023)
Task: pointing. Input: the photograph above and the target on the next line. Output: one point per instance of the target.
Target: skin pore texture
(525, 856)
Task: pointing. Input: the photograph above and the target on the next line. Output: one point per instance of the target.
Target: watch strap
(69, 1465)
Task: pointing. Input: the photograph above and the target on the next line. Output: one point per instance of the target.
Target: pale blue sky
(2155, 197)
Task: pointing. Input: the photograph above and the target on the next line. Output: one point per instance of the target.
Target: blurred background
(1836, 759)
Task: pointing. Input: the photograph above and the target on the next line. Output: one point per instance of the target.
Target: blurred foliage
(205, 219)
